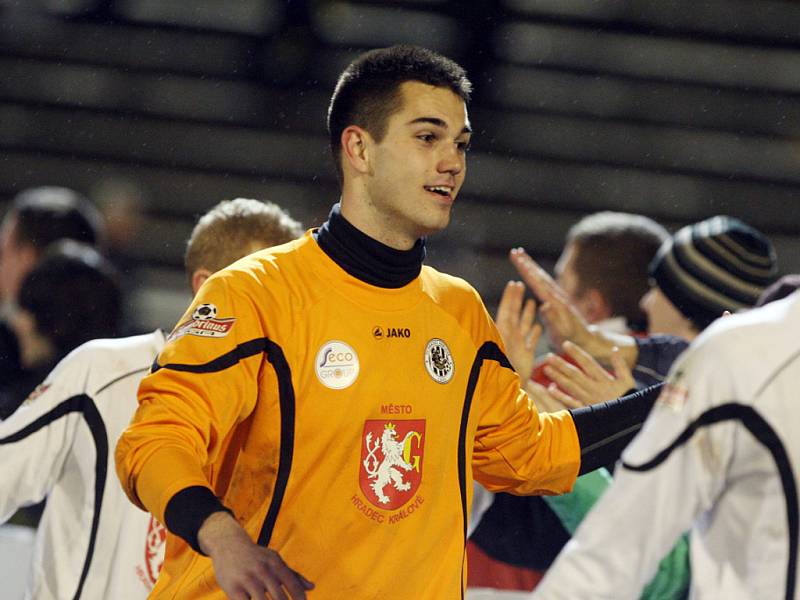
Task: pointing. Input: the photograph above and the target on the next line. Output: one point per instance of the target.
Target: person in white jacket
(92, 542)
(718, 456)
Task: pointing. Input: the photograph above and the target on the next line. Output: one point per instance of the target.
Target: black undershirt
(366, 258)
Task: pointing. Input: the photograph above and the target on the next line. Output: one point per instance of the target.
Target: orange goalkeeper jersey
(342, 423)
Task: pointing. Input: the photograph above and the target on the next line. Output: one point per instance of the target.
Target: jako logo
(391, 332)
(398, 332)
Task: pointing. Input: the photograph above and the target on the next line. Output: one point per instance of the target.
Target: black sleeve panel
(188, 509)
(605, 429)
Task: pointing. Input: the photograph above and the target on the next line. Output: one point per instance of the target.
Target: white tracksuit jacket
(92, 543)
(719, 456)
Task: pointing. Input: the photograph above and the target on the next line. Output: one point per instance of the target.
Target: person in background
(516, 538)
(71, 295)
(602, 250)
(717, 456)
(717, 265)
(705, 269)
(36, 218)
(92, 542)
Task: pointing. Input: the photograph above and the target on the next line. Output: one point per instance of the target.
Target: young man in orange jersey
(330, 428)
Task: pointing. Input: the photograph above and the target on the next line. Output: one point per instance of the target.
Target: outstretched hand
(245, 570)
(588, 382)
(562, 321)
(517, 329)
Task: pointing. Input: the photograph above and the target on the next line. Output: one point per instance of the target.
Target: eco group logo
(336, 365)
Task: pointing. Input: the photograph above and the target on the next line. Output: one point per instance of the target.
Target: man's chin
(435, 225)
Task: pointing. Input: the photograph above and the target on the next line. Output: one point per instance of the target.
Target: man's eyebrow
(438, 123)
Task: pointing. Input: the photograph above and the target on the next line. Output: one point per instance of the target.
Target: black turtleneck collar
(368, 259)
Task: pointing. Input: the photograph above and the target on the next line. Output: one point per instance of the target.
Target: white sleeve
(34, 443)
(671, 472)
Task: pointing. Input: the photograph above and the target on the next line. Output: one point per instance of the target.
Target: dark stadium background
(677, 110)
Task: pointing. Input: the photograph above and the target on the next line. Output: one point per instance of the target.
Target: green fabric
(671, 582)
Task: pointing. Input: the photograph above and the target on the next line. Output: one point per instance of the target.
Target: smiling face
(402, 187)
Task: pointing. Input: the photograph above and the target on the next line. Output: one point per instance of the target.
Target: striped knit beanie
(712, 266)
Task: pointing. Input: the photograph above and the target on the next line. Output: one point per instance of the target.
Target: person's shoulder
(447, 288)
(275, 262)
(744, 350)
(93, 366)
(102, 360)
(736, 335)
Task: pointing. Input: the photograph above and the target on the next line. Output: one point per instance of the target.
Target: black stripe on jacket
(766, 436)
(84, 405)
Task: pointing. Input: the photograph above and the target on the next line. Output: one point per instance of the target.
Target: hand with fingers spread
(588, 382)
(562, 321)
(245, 570)
(517, 329)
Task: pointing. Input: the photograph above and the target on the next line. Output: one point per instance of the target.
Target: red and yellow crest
(391, 461)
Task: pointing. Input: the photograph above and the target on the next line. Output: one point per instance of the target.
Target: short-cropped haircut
(47, 214)
(74, 295)
(233, 229)
(368, 91)
(612, 253)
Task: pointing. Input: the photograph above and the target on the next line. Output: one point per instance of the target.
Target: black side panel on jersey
(85, 405)
(488, 351)
(765, 435)
(287, 406)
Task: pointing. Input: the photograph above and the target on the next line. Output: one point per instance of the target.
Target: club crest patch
(336, 365)
(390, 472)
(204, 323)
(439, 361)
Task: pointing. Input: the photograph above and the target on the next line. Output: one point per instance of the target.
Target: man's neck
(367, 258)
(362, 215)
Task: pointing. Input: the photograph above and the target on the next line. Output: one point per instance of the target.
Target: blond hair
(235, 228)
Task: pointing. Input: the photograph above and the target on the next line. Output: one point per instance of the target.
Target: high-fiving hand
(517, 329)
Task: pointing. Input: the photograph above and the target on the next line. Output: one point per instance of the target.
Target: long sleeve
(202, 385)
(517, 449)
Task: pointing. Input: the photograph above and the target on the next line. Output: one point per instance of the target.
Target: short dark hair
(47, 214)
(74, 295)
(367, 92)
(612, 253)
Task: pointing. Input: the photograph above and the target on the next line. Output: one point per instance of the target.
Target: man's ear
(27, 257)
(355, 148)
(199, 277)
(596, 306)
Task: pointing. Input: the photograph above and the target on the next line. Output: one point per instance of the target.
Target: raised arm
(563, 322)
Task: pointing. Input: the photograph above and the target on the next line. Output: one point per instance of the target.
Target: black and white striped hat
(712, 266)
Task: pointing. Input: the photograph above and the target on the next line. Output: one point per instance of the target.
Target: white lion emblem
(385, 471)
